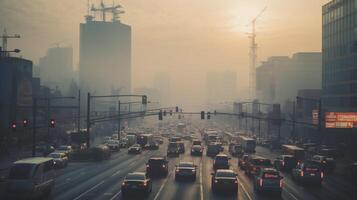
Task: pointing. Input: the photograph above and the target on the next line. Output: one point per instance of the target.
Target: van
(31, 178)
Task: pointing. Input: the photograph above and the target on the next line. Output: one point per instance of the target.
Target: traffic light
(25, 122)
(165, 113)
(52, 123)
(13, 126)
(170, 112)
(202, 114)
(160, 115)
(177, 109)
(208, 115)
(144, 100)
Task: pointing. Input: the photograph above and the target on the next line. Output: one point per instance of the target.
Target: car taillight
(261, 182)
(193, 170)
(283, 163)
(145, 183)
(302, 173)
(322, 175)
(236, 181)
(147, 166)
(124, 183)
(177, 170)
(215, 180)
(281, 183)
(163, 165)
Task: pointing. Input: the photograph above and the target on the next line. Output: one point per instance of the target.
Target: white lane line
(244, 190)
(293, 196)
(201, 186)
(116, 195)
(116, 173)
(162, 186)
(86, 192)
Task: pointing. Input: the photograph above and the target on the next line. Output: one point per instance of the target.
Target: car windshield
(135, 177)
(221, 159)
(223, 174)
(63, 148)
(186, 165)
(55, 155)
(20, 171)
(156, 161)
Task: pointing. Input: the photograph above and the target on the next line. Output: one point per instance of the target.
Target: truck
(131, 140)
(144, 139)
(248, 144)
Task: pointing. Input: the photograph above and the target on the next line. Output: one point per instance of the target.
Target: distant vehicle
(113, 145)
(153, 145)
(308, 172)
(157, 166)
(268, 179)
(243, 161)
(136, 183)
(236, 150)
(196, 150)
(224, 180)
(180, 128)
(45, 149)
(115, 136)
(297, 152)
(31, 178)
(196, 142)
(248, 144)
(106, 139)
(159, 139)
(181, 146)
(100, 152)
(221, 161)
(123, 142)
(212, 150)
(65, 149)
(175, 139)
(144, 139)
(327, 163)
(185, 170)
(131, 140)
(285, 162)
(59, 159)
(256, 163)
(135, 149)
(173, 149)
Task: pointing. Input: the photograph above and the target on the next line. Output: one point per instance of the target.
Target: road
(102, 180)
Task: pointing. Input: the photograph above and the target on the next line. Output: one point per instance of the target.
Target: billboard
(341, 119)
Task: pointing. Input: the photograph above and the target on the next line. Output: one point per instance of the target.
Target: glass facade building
(339, 55)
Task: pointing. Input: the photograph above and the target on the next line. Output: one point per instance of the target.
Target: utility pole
(294, 121)
(88, 119)
(119, 128)
(34, 111)
(79, 112)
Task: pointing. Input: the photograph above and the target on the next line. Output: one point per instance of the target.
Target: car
(106, 139)
(236, 150)
(65, 149)
(152, 146)
(123, 142)
(113, 145)
(224, 180)
(173, 149)
(242, 162)
(185, 170)
(327, 163)
(196, 150)
(308, 172)
(212, 150)
(255, 163)
(45, 149)
(196, 142)
(60, 160)
(159, 139)
(285, 162)
(268, 179)
(136, 183)
(181, 146)
(135, 149)
(157, 166)
(221, 161)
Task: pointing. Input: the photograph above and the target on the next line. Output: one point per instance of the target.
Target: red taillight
(163, 165)
(322, 175)
(302, 173)
(147, 166)
(145, 183)
(281, 183)
(261, 182)
(283, 163)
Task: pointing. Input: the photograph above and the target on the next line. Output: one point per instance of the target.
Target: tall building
(280, 77)
(221, 87)
(105, 54)
(56, 68)
(339, 54)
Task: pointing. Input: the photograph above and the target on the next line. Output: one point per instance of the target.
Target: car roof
(35, 160)
(225, 170)
(287, 155)
(157, 158)
(137, 173)
(222, 155)
(260, 157)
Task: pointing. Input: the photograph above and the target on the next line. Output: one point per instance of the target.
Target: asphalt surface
(102, 180)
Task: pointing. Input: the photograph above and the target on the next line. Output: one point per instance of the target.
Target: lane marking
(162, 186)
(285, 189)
(201, 186)
(116, 195)
(108, 194)
(293, 196)
(244, 190)
(116, 173)
(86, 192)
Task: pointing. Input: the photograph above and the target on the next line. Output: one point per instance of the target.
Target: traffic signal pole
(34, 111)
(119, 127)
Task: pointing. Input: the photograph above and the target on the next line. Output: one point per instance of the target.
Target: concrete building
(221, 87)
(105, 56)
(56, 68)
(280, 77)
(339, 52)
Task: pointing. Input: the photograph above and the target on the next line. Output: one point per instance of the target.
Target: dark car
(268, 179)
(152, 146)
(136, 183)
(213, 150)
(196, 150)
(224, 180)
(242, 162)
(285, 162)
(221, 161)
(185, 170)
(135, 149)
(327, 163)
(255, 163)
(173, 149)
(157, 166)
(308, 172)
(181, 146)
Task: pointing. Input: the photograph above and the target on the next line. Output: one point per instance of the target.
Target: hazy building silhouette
(221, 87)
(105, 56)
(162, 83)
(56, 68)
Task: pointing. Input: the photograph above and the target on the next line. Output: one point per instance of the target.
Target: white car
(113, 145)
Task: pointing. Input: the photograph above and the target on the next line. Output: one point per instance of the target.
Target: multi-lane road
(102, 180)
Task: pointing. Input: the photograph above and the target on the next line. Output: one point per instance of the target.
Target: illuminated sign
(341, 119)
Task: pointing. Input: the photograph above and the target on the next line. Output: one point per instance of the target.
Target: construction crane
(114, 9)
(4, 37)
(253, 56)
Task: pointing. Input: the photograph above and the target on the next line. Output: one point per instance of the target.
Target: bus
(144, 139)
(297, 152)
(180, 128)
(248, 144)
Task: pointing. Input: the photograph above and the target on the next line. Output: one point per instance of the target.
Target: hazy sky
(186, 38)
